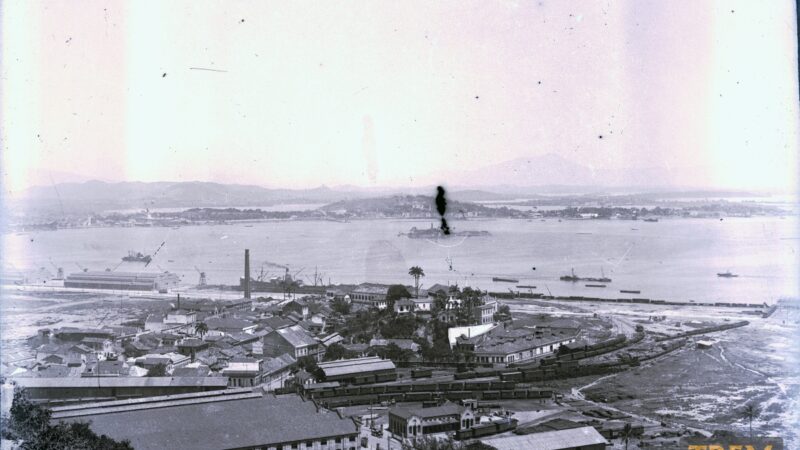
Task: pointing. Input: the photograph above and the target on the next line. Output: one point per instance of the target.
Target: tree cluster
(29, 424)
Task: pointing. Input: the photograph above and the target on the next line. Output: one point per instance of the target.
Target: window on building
(338, 440)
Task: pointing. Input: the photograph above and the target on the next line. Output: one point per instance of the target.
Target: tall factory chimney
(246, 273)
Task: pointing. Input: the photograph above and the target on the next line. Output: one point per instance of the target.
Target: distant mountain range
(97, 196)
(558, 174)
(514, 179)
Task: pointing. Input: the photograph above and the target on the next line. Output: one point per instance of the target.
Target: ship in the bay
(727, 274)
(436, 233)
(574, 278)
(504, 280)
(137, 257)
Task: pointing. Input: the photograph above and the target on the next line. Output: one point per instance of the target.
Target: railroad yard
(688, 390)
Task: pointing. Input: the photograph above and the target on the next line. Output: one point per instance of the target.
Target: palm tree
(417, 273)
(201, 328)
(750, 412)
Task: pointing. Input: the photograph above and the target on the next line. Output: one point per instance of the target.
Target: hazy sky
(392, 93)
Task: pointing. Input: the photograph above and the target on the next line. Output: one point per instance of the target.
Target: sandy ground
(702, 389)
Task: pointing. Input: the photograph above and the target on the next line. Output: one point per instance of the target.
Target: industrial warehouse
(126, 281)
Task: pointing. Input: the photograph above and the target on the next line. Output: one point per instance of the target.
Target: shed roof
(549, 440)
(296, 336)
(242, 421)
(355, 365)
(447, 409)
(76, 382)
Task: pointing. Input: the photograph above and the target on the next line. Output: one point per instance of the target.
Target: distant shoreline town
(408, 207)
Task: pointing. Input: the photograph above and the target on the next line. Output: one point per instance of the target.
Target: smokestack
(246, 273)
(179, 302)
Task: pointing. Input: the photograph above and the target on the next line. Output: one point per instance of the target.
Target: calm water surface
(674, 259)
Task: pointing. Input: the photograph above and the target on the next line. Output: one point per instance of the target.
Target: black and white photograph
(399, 225)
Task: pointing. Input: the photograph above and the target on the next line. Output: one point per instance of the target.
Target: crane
(155, 253)
(83, 269)
(202, 281)
(59, 270)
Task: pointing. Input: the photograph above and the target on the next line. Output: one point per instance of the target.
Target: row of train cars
(507, 383)
(333, 397)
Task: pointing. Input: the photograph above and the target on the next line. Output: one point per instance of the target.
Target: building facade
(417, 422)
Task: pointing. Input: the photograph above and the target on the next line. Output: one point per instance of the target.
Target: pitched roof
(371, 289)
(272, 365)
(276, 322)
(224, 421)
(355, 365)
(296, 336)
(549, 440)
(447, 409)
(78, 382)
(215, 323)
(500, 340)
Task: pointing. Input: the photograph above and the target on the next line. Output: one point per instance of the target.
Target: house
(293, 340)
(275, 371)
(275, 323)
(45, 350)
(74, 360)
(215, 420)
(501, 345)
(106, 369)
(423, 304)
(155, 322)
(485, 313)
(230, 325)
(192, 370)
(54, 359)
(336, 294)
(95, 343)
(404, 306)
(181, 316)
(297, 305)
(77, 334)
(243, 372)
(169, 360)
(80, 349)
(334, 338)
(136, 348)
(417, 422)
(152, 360)
(304, 378)
(314, 328)
(370, 295)
(439, 289)
(191, 346)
